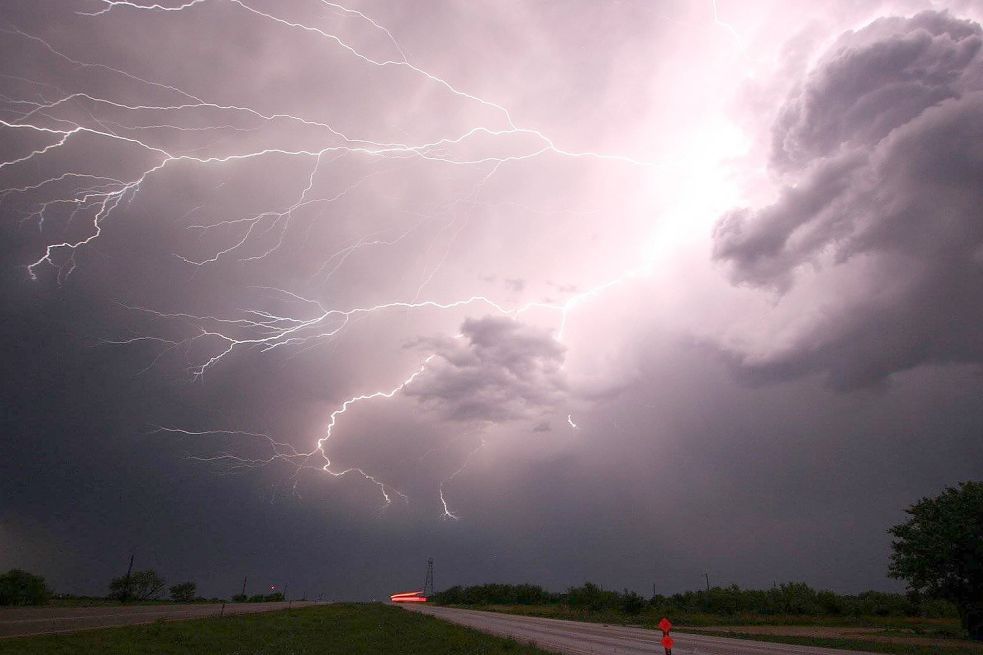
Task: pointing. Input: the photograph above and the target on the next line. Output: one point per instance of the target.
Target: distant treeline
(789, 598)
(276, 597)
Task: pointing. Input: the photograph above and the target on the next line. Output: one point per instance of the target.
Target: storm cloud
(497, 370)
(881, 210)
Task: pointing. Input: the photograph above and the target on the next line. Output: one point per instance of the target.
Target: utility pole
(428, 583)
(244, 578)
(126, 584)
(284, 591)
(706, 574)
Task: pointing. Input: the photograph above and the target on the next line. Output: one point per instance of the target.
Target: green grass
(351, 629)
(857, 644)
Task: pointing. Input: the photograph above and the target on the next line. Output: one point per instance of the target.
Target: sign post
(666, 626)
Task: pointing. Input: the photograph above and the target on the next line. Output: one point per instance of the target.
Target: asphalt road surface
(575, 638)
(24, 621)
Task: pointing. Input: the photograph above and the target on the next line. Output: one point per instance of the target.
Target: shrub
(19, 587)
(140, 585)
(184, 592)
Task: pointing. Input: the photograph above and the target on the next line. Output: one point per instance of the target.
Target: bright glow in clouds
(446, 235)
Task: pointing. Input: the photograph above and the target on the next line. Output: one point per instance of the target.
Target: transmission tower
(428, 585)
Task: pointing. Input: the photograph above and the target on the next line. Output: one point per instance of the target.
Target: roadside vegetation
(351, 629)
(794, 601)
(275, 597)
(789, 613)
(19, 587)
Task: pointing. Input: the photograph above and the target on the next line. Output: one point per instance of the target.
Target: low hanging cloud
(880, 149)
(498, 369)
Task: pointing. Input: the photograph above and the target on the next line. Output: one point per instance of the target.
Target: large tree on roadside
(939, 551)
(19, 587)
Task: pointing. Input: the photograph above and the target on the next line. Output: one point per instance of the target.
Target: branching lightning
(97, 197)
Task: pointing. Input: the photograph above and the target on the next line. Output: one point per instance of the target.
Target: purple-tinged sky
(548, 291)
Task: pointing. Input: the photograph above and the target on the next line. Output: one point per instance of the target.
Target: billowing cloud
(496, 370)
(872, 81)
(881, 212)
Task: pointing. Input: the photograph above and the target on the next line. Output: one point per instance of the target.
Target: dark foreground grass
(350, 629)
(857, 644)
(108, 602)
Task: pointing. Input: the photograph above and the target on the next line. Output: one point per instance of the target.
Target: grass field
(953, 647)
(350, 629)
(897, 635)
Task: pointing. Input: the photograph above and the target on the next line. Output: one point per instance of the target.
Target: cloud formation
(881, 209)
(499, 369)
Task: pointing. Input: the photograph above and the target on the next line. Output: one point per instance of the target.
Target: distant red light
(408, 597)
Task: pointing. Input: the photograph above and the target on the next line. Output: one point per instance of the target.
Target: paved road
(575, 638)
(20, 622)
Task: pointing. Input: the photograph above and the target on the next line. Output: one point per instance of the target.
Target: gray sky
(548, 291)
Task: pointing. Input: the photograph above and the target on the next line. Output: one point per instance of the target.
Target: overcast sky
(548, 291)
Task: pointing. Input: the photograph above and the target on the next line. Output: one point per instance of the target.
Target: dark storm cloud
(873, 81)
(497, 370)
(880, 146)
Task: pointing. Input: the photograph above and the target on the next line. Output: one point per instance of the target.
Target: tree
(632, 603)
(143, 585)
(939, 551)
(592, 597)
(184, 592)
(19, 587)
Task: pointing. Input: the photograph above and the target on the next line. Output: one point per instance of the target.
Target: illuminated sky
(548, 291)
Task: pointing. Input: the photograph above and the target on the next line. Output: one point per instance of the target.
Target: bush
(184, 592)
(275, 597)
(19, 587)
(632, 603)
(141, 585)
(592, 597)
(937, 609)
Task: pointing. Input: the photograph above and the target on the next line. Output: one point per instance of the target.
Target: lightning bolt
(46, 116)
(447, 513)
